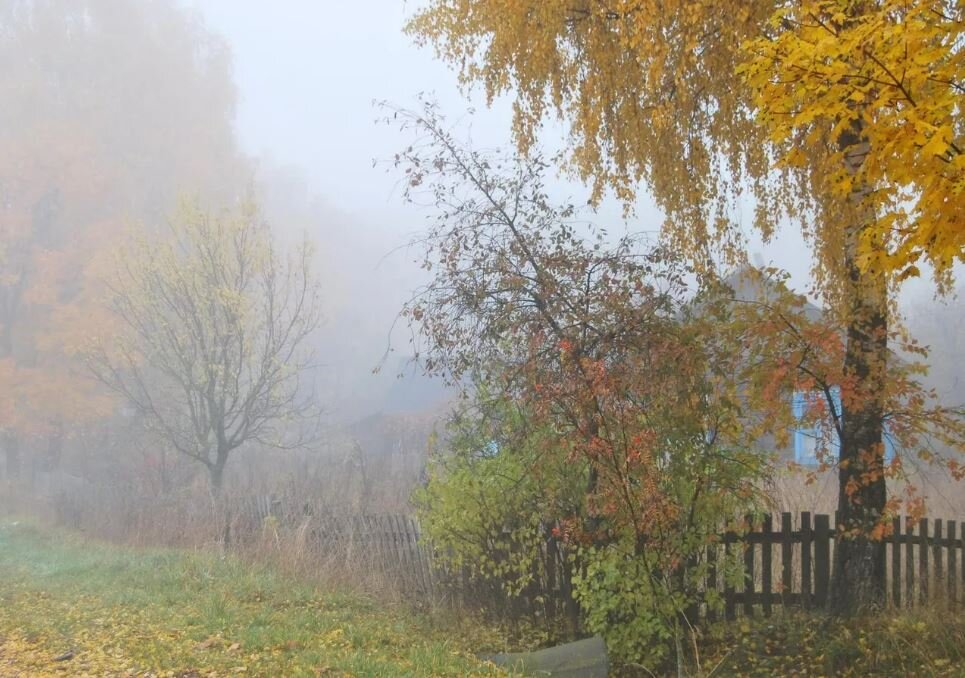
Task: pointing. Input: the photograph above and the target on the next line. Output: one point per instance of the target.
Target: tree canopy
(839, 115)
(702, 101)
(896, 69)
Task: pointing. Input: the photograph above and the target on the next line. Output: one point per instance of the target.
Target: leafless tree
(213, 343)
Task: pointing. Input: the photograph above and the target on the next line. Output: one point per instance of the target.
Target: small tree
(213, 341)
(630, 404)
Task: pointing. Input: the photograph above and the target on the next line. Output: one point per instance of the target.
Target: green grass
(162, 612)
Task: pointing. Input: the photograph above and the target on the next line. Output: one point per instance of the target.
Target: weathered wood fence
(787, 562)
(791, 565)
(387, 545)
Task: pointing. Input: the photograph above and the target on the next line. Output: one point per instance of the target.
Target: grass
(119, 612)
(929, 643)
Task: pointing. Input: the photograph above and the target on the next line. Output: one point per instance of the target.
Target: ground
(75, 608)
(928, 642)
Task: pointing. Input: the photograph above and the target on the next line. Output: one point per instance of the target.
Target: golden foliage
(214, 334)
(673, 94)
(646, 86)
(894, 69)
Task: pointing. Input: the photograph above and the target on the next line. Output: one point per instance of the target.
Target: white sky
(307, 73)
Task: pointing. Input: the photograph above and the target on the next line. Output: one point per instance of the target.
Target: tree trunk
(216, 485)
(216, 477)
(859, 563)
(859, 581)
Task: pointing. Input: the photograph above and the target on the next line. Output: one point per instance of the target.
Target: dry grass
(793, 491)
(925, 642)
(334, 546)
(271, 511)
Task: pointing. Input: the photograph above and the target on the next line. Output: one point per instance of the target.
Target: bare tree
(214, 335)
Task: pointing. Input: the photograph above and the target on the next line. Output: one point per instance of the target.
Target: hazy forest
(578, 338)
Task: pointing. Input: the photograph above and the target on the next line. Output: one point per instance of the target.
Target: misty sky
(307, 74)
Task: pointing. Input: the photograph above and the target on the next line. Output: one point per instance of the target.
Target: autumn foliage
(626, 411)
(211, 346)
(896, 68)
(670, 94)
(90, 142)
(841, 117)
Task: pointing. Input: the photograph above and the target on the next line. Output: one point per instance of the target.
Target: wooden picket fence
(388, 543)
(787, 565)
(787, 562)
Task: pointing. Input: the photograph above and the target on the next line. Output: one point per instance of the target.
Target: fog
(114, 110)
(307, 85)
(306, 110)
(289, 314)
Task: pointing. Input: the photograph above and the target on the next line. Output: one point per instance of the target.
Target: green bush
(494, 493)
(499, 483)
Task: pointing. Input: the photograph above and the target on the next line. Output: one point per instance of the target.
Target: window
(806, 437)
(806, 446)
(489, 450)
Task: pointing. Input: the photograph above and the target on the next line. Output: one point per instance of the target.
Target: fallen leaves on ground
(71, 609)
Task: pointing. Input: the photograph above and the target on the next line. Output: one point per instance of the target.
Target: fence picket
(923, 561)
(909, 562)
(787, 556)
(961, 544)
(896, 562)
(766, 564)
(822, 559)
(806, 559)
(952, 565)
(937, 557)
(395, 536)
(749, 565)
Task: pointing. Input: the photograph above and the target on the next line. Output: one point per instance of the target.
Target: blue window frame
(806, 437)
(889, 445)
(490, 449)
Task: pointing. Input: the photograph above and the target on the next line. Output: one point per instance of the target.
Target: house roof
(751, 283)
